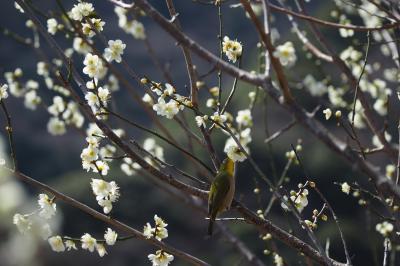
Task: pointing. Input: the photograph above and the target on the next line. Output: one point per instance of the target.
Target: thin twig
(204, 165)
(359, 79)
(331, 24)
(280, 132)
(9, 129)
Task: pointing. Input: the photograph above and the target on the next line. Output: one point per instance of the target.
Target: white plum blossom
(365, 11)
(81, 10)
(69, 244)
(233, 150)
(110, 236)
(350, 54)
(328, 113)
(252, 96)
(169, 90)
(121, 13)
(148, 231)
(244, 118)
(114, 50)
(384, 228)
(161, 258)
(88, 242)
(106, 193)
(129, 167)
(316, 88)
(56, 127)
(52, 26)
(345, 188)
(80, 46)
(159, 231)
(93, 66)
(345, 32)
(47, 206)
(167, 109)
(381, 106)
(358, 116)
(201, 120)
(32, 100)
(93, 130)
(151, 146)
(3, 92)
(92, 141)
(147, 99)
(22, 222)
(218, 118)
(286, 54)
(92, 99)
(211, 103)
(104, 94)
(376, 141)
(100, 187)
(102, 167)
(299, 200)
(90, 30)
(89, 155)
(72, 115)
(390, 170)
(101, 250)
(135, 28)
(58, 105)
(56, 244)
(278, 260)
(232, 49)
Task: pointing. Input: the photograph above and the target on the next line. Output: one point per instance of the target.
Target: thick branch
(115, 223)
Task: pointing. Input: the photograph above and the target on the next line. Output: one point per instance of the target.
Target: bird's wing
(217, 196)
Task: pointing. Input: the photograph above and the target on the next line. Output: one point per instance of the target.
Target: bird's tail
(210, 226)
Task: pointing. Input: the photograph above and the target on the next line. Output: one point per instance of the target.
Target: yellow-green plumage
(221, 192)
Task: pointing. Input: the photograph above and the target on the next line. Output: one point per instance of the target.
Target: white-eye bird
(222, 190)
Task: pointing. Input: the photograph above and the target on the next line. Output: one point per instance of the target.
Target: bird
(222, 191)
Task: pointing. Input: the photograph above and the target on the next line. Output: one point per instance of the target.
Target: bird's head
(228, 165)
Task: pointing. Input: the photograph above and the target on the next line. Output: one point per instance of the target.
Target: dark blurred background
(56, 161)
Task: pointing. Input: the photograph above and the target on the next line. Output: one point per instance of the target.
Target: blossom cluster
(159, 232)
(232, 49)
(384, 228)
(82, 12)
(244, 121)
(169, 103)
(3, 92)
(106, 193)
(94, 66)
(18, 89)
(299, 199)
(60, 244)
(241, 133)
(133, 27)
(129, 167)
(37, 222)
(114, 50)
(95, 158)
(63, 113)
